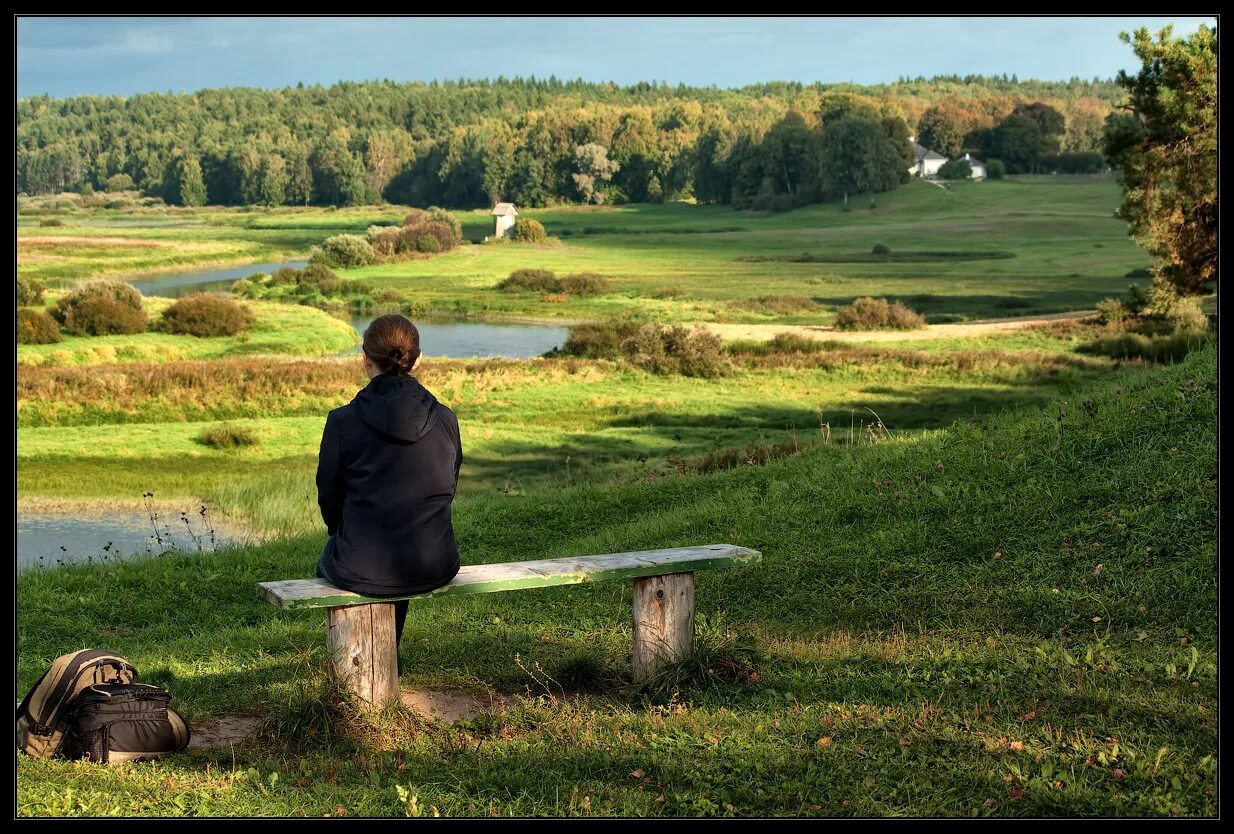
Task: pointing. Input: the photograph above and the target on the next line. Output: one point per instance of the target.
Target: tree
(185, 185)
(1165, 151)
(1017, 142)
(594, 167)
(942, 128)
(1050, 123)
(858, 156)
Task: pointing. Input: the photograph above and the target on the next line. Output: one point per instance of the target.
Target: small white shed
(928, 162)
(504, 224)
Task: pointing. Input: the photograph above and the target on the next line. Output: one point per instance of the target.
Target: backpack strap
(25, 702)
(40, 724)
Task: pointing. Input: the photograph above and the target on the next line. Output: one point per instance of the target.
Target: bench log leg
(363, 652)
(663, 621)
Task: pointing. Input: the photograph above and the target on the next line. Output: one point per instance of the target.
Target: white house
(504, 224)
(977, 165)
(928, 162)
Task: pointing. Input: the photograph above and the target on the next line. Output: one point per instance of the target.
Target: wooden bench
(360, 629)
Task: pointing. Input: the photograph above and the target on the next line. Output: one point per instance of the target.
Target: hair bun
(395, 355)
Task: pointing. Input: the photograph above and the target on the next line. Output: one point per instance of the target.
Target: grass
(1013, 617)
(525, 424)
(1067, 252)
(281, 329)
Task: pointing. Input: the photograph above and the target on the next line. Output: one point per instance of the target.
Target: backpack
(47, 720)
(112, 723)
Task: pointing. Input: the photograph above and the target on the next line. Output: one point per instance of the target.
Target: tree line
(466, 144)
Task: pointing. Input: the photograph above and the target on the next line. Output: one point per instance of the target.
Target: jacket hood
(398, 407)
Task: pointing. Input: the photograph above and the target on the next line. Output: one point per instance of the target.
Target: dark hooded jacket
(386, 475)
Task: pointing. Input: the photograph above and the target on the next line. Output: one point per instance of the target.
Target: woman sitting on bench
(386, 477)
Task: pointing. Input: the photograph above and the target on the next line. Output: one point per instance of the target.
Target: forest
(537, 142)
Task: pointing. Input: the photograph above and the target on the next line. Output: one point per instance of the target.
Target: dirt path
(764, 332)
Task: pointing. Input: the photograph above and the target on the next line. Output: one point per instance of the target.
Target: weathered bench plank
(512, 576)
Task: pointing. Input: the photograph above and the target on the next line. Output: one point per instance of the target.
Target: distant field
(1012, 247)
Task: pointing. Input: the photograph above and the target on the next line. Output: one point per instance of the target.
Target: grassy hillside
(1009, 617)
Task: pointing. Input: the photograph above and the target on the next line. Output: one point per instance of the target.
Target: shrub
(48, 222)
(119, 182)
(1166, 348)
(204, 315)
(319, 278)
(286, 275)
(415, 217)
(102, 316)
(343, 252)
(244, 287)
(645, 348)
(29, 291)
(529, 231)
(956, 169)
(101, 308)
(384, 239)
(530, 280)
(781, 203)
(995, 169)
(447, 219)
(34, 327)
(227, 437)
(875, 313)
(880, 249)
(427, 244)
(602, 340)
(584, 283)
(698, 351)
(1112, 311)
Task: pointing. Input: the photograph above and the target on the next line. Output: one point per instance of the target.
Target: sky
(66, 56)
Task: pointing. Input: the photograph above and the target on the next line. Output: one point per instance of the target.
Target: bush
(344, 252)
(427, 244)
(698, 351)
(29, 291)
(244, 287)
(205, 315)
(286, 275)
(530, 280)
(384, 239)
(448, 220)
(227, 437)
(529, 231)
(584, 283)
(34, 327)
(1112, 311)
(677, 349)
(1167, 348)
(102, 316)
(48, 222)
(956, 169)
(101, 308)
(319, 278)
(995, 169)
(415, 217)
(119, 182)
(598, 340)
(875, 313)
(880, 249)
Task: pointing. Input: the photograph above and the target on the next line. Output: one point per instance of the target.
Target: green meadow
(1021, 246)
(989, 574)
(1012, 617)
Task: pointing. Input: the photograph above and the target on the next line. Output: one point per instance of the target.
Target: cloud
(144, 42)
